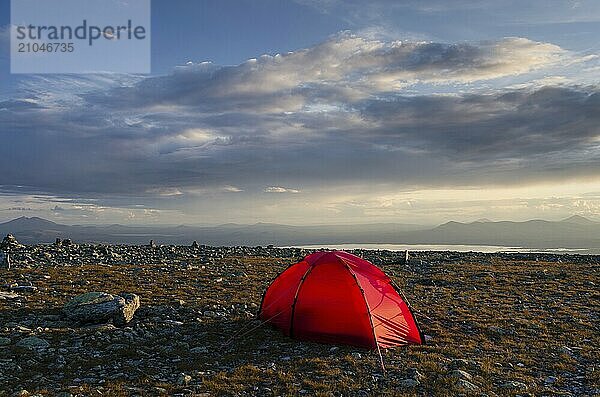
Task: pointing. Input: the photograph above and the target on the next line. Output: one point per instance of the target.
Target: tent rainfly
(336, 297)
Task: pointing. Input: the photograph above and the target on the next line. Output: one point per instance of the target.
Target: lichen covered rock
(102, 307)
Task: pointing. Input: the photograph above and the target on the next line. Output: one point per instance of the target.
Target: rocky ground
(496, 324)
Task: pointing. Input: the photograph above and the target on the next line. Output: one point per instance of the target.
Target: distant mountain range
(573, 232)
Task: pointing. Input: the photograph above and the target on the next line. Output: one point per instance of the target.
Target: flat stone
(464, 363)
(33, 343)
(513, 384)
(90, 298)
(24, 288)
(198, 350)
(409, 383)
(465, 385)
(460, 374)
(550, 380)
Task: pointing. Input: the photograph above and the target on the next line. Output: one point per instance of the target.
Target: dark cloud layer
(332, 114)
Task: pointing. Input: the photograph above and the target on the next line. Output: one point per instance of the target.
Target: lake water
(449, 247)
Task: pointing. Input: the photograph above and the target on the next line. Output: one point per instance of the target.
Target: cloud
(519, 126)
(279, 189)
(339, 114)
(165, 191)
(345, 68)
(232, 189)
(543, 82)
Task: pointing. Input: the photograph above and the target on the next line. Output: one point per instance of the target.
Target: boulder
(102, 307)
(126, 312)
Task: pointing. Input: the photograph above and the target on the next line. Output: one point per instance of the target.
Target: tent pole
(296, 299)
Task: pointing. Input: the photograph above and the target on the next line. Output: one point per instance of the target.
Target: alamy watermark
(80, 36)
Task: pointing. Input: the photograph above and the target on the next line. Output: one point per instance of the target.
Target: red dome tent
(336, 297)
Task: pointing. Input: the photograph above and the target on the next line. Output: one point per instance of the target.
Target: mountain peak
(33, 221)
(450, 224)
(578, 219)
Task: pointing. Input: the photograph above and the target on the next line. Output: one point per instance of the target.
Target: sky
(318, 112)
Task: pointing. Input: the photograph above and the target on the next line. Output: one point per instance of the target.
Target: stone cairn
(8, 243)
